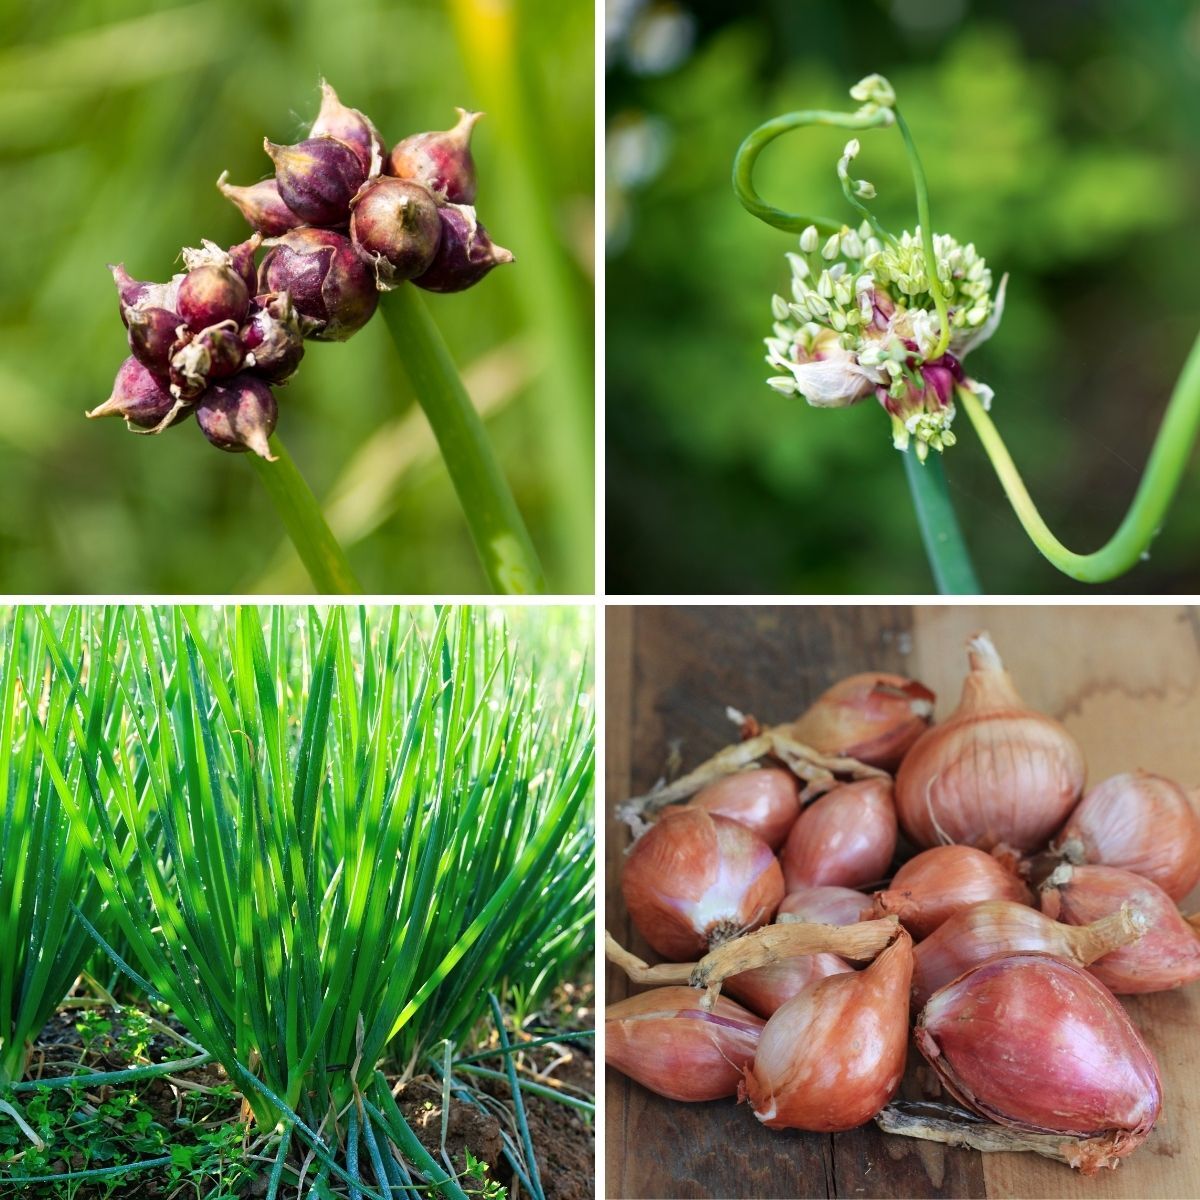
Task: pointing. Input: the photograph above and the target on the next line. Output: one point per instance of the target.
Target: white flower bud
(829, 251)
(809, 239)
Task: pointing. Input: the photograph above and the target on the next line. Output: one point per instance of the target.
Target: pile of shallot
(830, 888)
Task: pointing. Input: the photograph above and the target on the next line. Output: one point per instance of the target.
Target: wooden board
(1125, 681)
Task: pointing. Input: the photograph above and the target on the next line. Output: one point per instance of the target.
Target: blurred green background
(1061, 137)
(116, 117)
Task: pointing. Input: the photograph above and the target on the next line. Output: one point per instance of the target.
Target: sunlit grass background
(116, 117)
(1061, 138)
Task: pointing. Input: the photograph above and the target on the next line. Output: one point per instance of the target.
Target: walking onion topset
(948, 882)
(319, 838)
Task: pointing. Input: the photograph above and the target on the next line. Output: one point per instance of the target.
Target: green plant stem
(757, 141)
(323, 558)
(500, 536)
(1164, 470)
(949, 558)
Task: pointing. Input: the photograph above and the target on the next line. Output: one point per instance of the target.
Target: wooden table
(1124, 680)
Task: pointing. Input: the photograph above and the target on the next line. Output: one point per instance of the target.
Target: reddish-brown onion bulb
(694, 880)
(845, 839)
(825, 905)
(994, 772)
(1000, 927)
(765, 800)
(873, 717)
(935, 884)
(1141, 822)
(764, 989)
(1039, 1045)
(669, 1044)
(1166, 956)
(832, 1057)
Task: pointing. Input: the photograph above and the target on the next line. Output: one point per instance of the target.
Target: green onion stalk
(872, 313)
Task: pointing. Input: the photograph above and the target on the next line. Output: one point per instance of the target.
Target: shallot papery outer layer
(832, 1057)
(1000, 927)
(694, 880)
(873, 717)
(1142, 822)
(764, 989)
(845, 839)
(669, 1044)
(935, 884)
(765, 800)
(825, 905)
(994, 772)
(1039, 1045)
(1165, 956)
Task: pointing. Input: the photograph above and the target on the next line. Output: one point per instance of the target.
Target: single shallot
(1166, 956)
(994, 772)
(669, 1044)
(764, 799)
(1040, 1045)
(931, 887)
(694, 880)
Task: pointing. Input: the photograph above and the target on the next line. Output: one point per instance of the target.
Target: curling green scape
(324, 838)
(893, 317)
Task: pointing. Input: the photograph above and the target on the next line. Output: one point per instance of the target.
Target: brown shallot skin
(825, 905)
(994, 772)
(1141, 822)
(833, 1056)
(764, 989)
(669, 1044)
(694, 880)
(1166, 956)
(844, 839)
(1040, 1045)
(873, 717)
(935, 884)
(766, 800)
(992, 929)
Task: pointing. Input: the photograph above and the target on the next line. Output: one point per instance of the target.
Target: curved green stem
(948, 555)
(499, 533)
(922, 190)
(1164, 470)
(757, 141)
(323, 557)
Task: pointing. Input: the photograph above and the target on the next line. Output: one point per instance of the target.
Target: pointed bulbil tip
(110, 408)
(500, 256)
(465, 125)
(258, 444)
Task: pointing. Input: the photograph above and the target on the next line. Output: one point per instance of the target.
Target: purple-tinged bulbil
(466, 253)
(140, 397)
(241, 258)
(440, 161)
(211, 294)
(349, 125)
(329, 285)
(261, 205)
(272, 338)
(317, 178)
(197, 359)
(152, 334)
(396, 228)
(134, 294)
(239, 415)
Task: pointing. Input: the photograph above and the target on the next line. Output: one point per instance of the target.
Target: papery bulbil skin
(272, 337)
(349, 125)
(134, 294)
(317, 178)
(440, 160)
(465, 254)
(140, 397)
(212, 294)
(239, 415)
(328, 283)
(198, 359)
(396, 228)
(261, 205)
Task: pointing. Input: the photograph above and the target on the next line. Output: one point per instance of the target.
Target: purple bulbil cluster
(341, 221)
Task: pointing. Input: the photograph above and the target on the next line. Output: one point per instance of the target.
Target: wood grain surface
(1126, 682)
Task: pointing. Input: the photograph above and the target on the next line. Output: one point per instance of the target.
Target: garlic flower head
(862, 320)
